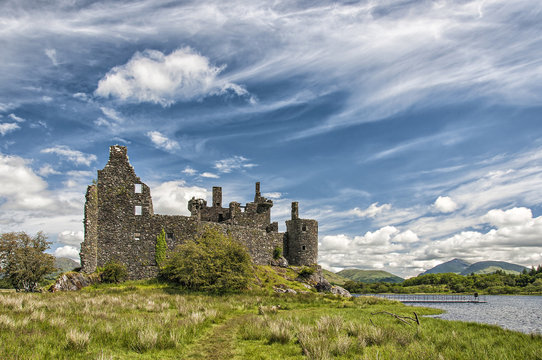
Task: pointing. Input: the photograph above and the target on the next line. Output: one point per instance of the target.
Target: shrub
(214, 262)
(306, 271)
(113, 272)
(161, 248)
(277, 252)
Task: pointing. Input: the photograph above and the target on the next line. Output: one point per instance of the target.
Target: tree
(23, 261)
(214, 262)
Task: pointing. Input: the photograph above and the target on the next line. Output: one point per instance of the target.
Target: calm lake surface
(519, 313)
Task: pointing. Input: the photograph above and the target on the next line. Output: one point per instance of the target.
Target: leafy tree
(161, 248)
(23, 261)
(113, 272)
(214, 262)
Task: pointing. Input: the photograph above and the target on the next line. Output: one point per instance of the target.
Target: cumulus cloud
(151, 76)
(372, 211)
(67, 251)
(385, 248)
(171, 197)
(233, 163)
(445, 204)
(72, 238)
(6, 128)
(75, 156)
(163, 142)
(21, 187)
(515, 216)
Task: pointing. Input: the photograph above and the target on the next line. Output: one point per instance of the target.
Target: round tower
(301, 247)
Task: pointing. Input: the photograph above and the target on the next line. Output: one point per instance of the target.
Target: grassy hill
(455, 266)
(461, 267)
(488, 267)
(370, 276)
(65, 264)
(334, 279)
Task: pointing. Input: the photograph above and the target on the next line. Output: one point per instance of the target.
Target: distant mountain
(65, 264)
(462, 267)
(488, 267)
(370, 276)
(334, 279)
(456, 266)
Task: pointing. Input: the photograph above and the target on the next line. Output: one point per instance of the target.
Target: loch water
(518, 313)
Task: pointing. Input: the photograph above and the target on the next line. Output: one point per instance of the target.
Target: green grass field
(149, 320)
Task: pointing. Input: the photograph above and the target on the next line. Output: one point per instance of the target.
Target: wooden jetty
(431, 298)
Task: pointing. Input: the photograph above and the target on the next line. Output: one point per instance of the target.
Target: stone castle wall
(120, 224)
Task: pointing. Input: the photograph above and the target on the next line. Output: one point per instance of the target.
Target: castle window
(169, 236)
(304, 228)
(303, 248)
(138, 210)
(137, 236)
(137, 188)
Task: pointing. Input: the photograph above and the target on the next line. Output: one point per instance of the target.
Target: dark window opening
(220, 217)
(169, 236)
(304, 228)
(303, 248)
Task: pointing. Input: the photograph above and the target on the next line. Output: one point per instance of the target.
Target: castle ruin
(120, 224)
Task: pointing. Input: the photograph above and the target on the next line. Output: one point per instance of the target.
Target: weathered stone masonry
(120, 223)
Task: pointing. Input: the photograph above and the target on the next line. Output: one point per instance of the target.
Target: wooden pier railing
(431, 298)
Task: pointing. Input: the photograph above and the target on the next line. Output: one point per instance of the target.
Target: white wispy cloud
(6, 128)
(151, 76)
(209, 175)
(163, 142)
(372, 211)
(189, 171)
(233, 163)
(51, 54)
(47, 170)
(16, 118)
(74, 156)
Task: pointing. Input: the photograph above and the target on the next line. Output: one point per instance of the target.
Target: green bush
(113, 272)
(214, 262)
(306, 271)
(277, 252)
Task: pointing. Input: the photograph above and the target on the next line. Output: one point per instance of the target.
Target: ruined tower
(301, 243)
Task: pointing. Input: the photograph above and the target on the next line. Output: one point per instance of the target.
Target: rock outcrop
(73, 281)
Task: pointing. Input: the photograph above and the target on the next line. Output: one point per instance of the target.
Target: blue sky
(411, 130)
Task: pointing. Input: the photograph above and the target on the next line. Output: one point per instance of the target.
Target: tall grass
(152, 321)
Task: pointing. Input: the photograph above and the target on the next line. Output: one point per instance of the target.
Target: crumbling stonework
(120, 224)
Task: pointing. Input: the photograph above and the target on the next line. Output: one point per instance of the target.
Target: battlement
(120, 223)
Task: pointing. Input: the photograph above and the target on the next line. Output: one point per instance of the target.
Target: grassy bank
(146, 320)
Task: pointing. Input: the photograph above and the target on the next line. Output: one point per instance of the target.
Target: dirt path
(218, 343)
